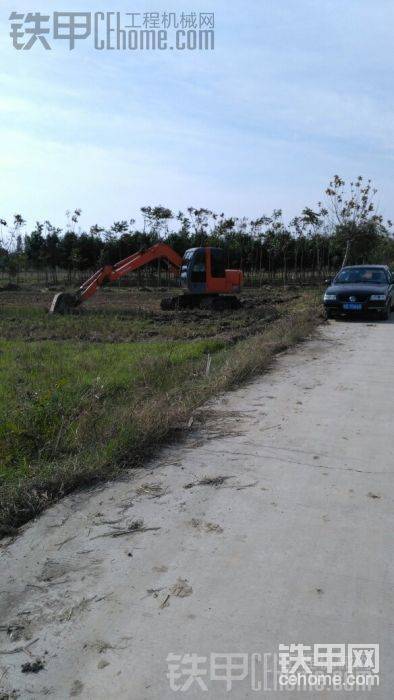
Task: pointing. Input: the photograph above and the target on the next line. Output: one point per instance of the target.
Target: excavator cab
(206, 282)
(203, 271)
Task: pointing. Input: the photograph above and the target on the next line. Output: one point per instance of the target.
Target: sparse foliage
(346, 228)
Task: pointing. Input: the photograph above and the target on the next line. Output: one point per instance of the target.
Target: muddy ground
(129, 314)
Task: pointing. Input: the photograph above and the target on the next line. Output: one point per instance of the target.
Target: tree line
(345, 228)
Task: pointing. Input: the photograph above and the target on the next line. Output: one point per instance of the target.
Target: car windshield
(361, 275)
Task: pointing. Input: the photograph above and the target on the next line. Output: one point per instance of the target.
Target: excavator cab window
(185, 264)
(218, 263)
(198, 273)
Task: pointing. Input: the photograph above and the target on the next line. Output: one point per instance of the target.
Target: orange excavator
(202, 275)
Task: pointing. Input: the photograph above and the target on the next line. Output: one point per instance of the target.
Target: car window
(361, 276)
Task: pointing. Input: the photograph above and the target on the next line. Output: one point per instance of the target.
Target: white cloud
(294, 92)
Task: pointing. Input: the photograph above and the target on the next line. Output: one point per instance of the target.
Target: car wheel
(329, 313)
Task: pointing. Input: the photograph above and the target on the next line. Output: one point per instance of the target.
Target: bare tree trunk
(347, 251)
(295, 261)
(261, 263)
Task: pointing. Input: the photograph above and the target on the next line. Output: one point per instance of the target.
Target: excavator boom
(65, 302)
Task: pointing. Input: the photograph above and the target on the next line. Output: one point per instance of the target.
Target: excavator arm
(64, 302)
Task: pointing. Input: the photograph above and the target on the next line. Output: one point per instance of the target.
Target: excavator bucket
(63, 303)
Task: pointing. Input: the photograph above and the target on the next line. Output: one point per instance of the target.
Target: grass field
(85, 396)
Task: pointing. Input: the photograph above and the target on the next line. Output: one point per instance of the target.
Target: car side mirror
(328, 280)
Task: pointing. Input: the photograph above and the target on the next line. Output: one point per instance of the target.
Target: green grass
(55, 396)
(74, 411)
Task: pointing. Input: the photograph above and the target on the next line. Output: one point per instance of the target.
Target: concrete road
(294, 545)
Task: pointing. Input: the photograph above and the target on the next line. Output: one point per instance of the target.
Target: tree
(350, 211)
(311, 222)
(349, 227)
(199, 221)
(156, 220)
(73, 218)
(68, 244)
(35, 247)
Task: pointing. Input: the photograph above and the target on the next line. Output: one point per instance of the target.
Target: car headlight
(330, 297)
(378, 297)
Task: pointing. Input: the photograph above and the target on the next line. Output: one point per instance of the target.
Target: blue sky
(295, 91)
